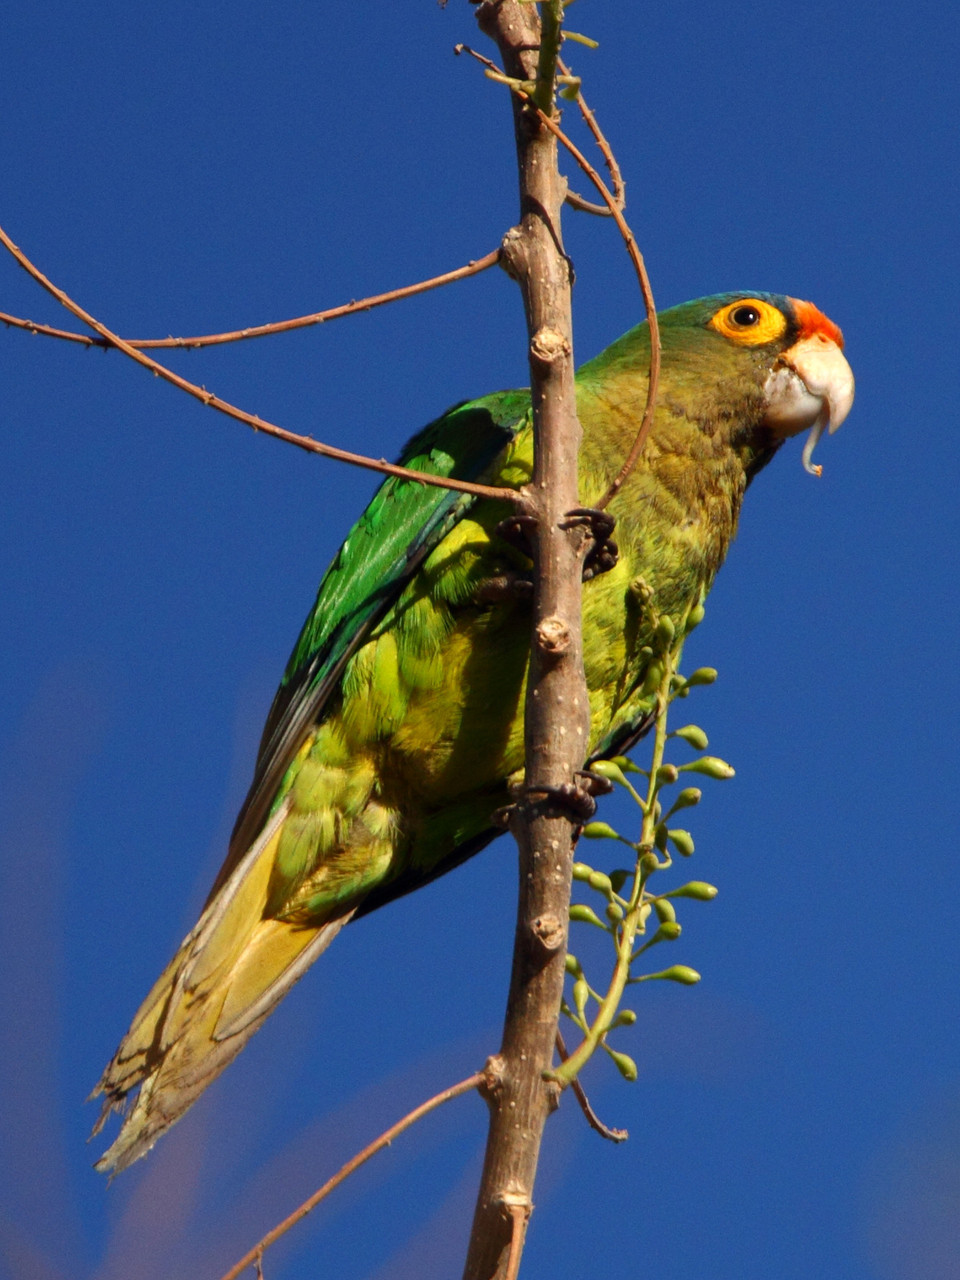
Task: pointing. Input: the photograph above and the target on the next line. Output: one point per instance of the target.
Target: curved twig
(614, 203)
(616, 177)
(636, 257)
(591, 1117)
(254, 1255)
(472, 268)
(259, 424)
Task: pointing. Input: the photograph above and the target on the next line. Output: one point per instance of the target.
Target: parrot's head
(806, 381)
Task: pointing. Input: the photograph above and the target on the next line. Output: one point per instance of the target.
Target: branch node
(492, 1077)
(553, 1091)
(549, 345)
(549, 931)
(512, 250)
(553, 637)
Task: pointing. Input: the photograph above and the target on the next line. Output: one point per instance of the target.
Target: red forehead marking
(812, 320)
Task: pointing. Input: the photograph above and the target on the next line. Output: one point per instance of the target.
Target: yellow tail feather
(229, 973)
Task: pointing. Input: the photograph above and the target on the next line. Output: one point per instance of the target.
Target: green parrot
(397, 730)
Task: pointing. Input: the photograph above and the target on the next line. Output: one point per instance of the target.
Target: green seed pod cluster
(625, 1064)
(702, 675)
(610, 770)
(629, 901)
(711, 767)
(694, 735)
(694, 617)
(678, 973)
(687, 798)
(580, 913)
(681, 840)
(665, 909)
(669, 931)
(697, 889)
(625, 764)
(599, 831)
(666, 631)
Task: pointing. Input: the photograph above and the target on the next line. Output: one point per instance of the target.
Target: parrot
(397, 731)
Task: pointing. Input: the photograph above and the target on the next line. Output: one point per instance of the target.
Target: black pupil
(745, 316)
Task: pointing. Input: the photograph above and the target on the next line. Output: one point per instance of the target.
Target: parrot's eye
(745, 316)
(750, 322)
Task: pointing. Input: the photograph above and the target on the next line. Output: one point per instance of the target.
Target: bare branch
(636, 257)
(47, 331)
(616, 177)
(614, 202)
(255, 1255)
(572, 199)
(556, 710)
(471, 268)
(593, 1120)
(259, 424)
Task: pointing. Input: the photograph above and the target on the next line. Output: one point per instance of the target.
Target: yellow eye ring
(750, 321)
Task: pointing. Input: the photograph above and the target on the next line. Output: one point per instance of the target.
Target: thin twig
(47, 331)
(256, 1253)
(616, 177)
(472, 268)
(636, 257)
(574, 200)
(486, 62)
(592, 1119)
(614, 203)
(259, 424)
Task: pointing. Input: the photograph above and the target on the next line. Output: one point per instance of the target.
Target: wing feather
(398, 530)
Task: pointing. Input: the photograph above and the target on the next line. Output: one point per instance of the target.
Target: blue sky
(191, 168)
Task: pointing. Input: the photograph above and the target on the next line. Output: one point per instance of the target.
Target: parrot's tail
(229, 973)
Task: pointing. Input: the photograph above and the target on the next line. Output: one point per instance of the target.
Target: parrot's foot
(604, 553)
(516, 531)
(573, 800)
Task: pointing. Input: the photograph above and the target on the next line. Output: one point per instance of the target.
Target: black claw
(594, 783)
(516, 530)
(601, 523)
(565, 801)
(604, 553)
(501, 817)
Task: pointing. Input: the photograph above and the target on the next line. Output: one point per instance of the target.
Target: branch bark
(557, 710)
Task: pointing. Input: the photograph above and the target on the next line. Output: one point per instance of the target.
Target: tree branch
(614, 202)
(636, 257)
(609, 159)
(472, 268)
(259, 424)
(591, 1117)
(253, 1256)
(556, 718)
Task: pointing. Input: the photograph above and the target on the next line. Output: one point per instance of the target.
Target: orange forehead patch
(812, 320)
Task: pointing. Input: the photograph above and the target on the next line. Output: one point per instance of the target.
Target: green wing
(383, 550)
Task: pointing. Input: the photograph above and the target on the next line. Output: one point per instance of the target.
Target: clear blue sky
(188, 168)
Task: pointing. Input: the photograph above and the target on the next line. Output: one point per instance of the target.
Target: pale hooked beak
(811, 385)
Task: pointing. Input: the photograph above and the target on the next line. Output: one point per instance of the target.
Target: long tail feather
(229, 973)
